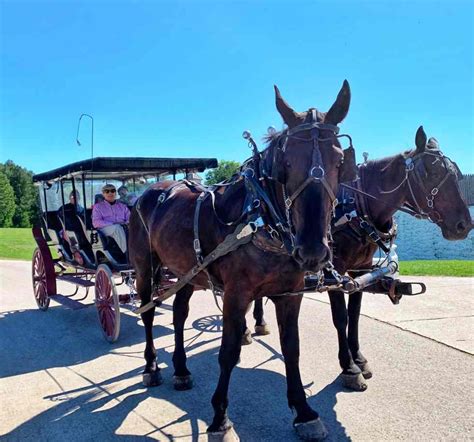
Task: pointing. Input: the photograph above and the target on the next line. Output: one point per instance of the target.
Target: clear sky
(185, 78)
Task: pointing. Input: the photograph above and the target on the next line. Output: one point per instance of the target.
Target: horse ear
(420, 140)
(290, 117)
(340, 108)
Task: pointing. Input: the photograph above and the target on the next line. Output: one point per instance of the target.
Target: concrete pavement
(59, 380)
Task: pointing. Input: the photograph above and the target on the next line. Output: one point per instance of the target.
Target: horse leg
(233, 324)
(151, 374)
(307, 423)
(182, 378)
(247, 334)
(355, 301)
(351, 374)
(261, 327)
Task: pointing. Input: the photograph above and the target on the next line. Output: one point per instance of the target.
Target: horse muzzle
(312, 258)
(457, 232)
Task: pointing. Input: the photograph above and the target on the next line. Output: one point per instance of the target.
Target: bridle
(412, 177)
(316, 172)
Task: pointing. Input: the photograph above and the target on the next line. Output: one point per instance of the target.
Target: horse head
(307, 160)
(435, 189)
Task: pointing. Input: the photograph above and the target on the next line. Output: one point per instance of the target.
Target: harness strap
(242, 235)
(197, 243)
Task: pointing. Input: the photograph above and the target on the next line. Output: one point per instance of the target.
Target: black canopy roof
(120, 167)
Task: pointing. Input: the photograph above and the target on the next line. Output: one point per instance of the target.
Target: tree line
(18, 196)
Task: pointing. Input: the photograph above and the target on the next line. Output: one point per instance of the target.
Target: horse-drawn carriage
(70, 249)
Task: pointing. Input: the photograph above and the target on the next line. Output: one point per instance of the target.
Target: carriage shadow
(36, 340)
(258, 403)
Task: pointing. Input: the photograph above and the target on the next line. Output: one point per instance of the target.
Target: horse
(423, 182)
(174, 225)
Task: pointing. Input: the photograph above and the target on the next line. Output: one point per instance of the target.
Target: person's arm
(126, 214)
(97, 217)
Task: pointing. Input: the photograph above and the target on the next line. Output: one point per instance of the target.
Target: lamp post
(92, 133)
(92, 158)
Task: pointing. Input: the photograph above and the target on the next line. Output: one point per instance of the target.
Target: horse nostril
(460, 226)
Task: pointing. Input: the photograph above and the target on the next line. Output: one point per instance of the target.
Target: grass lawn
(437, 268)
(16, 243)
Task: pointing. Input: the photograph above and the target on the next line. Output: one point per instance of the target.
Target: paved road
(60, 381)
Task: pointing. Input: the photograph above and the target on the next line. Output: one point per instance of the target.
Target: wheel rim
(106, 305)
(39, 281)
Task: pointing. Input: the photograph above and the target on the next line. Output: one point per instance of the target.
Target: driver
(110, 215)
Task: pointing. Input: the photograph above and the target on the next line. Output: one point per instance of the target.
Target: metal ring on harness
(318, 169)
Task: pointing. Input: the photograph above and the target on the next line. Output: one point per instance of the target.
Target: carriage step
(75, 280)
(68, 302)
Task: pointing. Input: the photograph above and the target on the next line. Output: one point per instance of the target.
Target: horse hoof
(228, 435)
(365, 369)
(152, 379)
(182, 383)
(354, 382)
(262, 330)
(247, 337)
(313, 430)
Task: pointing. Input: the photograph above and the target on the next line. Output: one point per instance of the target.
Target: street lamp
(92, 133)
(92, 159)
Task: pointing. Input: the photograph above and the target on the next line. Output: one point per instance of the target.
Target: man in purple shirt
(109, 215)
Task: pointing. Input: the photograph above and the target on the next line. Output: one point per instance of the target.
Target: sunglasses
(110, 191)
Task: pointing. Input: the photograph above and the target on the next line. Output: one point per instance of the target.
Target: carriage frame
(70, 249)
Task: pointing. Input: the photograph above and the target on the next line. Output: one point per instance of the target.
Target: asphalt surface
(59, 380)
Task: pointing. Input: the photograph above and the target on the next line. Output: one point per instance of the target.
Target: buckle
(197, 246)
(288, 202)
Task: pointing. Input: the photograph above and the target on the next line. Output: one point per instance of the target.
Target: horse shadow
(258, 405)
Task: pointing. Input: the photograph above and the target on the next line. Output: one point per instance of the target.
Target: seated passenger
(125, 197)
(98, 198)
(73, 204)
(109, 215)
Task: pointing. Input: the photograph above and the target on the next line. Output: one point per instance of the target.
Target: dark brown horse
(303, 166)
(425, 182)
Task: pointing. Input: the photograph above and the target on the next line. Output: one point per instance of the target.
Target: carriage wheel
(107, 303)
(40, 280)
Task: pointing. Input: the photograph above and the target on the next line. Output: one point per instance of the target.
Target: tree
(7, 201)
(222, 172)
(26, 201)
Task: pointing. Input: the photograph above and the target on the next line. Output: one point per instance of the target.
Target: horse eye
(288, 164)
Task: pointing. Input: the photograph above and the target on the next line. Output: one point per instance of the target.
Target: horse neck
(378, 177)
(230, 202)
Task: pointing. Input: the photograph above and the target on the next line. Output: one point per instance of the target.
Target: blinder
(348, 170)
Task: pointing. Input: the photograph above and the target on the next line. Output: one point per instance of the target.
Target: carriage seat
(75, 233)
(109, 244)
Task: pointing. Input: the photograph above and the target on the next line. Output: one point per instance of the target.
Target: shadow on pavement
(36, 340)
(258, 405)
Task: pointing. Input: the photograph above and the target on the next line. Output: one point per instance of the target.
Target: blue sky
(185, 78)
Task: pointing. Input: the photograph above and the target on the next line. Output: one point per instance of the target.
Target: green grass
(16, 243)
(437, 268)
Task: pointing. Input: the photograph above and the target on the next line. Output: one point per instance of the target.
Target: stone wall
(420, 239)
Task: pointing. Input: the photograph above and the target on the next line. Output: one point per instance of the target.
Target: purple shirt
(106, 214)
